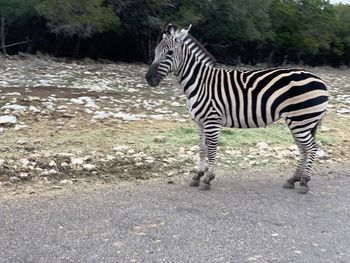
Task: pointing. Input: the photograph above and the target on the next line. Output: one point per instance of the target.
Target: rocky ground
(65, 122)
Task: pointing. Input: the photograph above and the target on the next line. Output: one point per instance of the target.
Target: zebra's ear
(182, 34)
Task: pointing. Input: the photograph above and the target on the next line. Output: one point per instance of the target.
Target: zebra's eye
(170, 52)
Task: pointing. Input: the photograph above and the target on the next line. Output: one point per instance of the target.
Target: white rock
(48, 172)
(293, 148)
(52, 163)
(86, 99)
(21, 142)
(66, 154)
(91, 105)
(194, 148)
(2, 129)
(23, 175)
(262, 145)
(33, 98)
(233, 152)
(343, 111)
(110, 158)
(2, 161)
(13, 94)
(157, 117)
(14, 179)
(149, 160)
(8, 119)
(65, 182)
(25, 162)
(324, 129)
(131, 151)
(20, 127)
(64, 164)
(76, 161)
(126, 116)
(14, 107)
(62, 107)
(120, 148)
(76, 101)
(49, 105)
(88, 111)
(321, 154)
(33, 109)
(89, 167)
(175, 104)
(100, 115)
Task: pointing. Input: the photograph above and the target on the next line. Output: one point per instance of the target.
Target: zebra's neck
(195, 60)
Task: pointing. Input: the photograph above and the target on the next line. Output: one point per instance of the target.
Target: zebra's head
(168, 54)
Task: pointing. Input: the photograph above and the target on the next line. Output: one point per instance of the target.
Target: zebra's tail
(314, 129)
(317, 126)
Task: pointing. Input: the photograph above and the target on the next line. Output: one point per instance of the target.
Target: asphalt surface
(244, 218)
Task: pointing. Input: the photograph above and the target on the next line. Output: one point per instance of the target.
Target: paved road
(244, 218)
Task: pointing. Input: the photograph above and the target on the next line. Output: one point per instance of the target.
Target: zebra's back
(250, 99)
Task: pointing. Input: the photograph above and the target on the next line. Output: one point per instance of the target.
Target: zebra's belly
(234, 121)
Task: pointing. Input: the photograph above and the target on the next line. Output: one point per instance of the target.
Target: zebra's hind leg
(290, 183)
(311, 150)
(202, 156)
(307, 147)
(212, 132)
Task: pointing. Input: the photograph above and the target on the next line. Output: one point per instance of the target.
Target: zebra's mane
(203, 49)
(169, 29)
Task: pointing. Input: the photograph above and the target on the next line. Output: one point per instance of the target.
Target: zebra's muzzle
(152, 75)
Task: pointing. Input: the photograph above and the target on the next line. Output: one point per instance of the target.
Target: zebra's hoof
(303, 189)
(288, 185)
(204, 186)
(195, 183)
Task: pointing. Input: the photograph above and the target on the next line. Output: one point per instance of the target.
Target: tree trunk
(272, 53)
(57, 46)
(143, 49)
(3, 42)
(149, 43)
(77, 48)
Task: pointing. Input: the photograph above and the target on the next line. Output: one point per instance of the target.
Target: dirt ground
(65, 136)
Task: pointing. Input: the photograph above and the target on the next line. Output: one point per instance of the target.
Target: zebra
(219, 97)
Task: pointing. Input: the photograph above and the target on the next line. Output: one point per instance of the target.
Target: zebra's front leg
(212, 133)
(202, 157)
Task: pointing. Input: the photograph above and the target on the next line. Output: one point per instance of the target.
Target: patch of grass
(275, 134)
(174, 138)
(187, 135)
(85, 137)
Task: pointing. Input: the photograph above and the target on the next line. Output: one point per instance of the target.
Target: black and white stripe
(218, 97)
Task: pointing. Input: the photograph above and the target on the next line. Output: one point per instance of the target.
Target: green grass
(277, 134)
(102, 139)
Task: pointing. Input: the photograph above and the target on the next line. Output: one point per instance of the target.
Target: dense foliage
(248, 31)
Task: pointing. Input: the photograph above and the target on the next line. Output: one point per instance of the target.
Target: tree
(141, 21)
(78, 18)
(9, 12)
(341, 44)
(302, 27)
